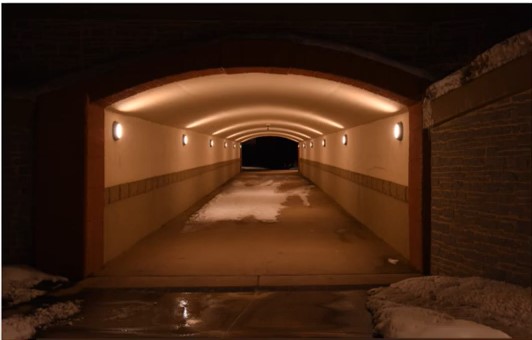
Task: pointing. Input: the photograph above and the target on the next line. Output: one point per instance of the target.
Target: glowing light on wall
(225, 144)
(118, 131)
(344, 139)
(373, 101)
(211, 143)
(311, 145)
(323, 142)
(398, 131)
(184, 139)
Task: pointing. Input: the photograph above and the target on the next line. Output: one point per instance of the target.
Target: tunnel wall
(480, 132)
(368, 177)
(151, 177)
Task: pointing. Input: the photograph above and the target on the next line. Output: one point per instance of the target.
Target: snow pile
(440, 306)
(18, 283)
(262, 200)
(398, 321)
(498, 55)
(24, 326)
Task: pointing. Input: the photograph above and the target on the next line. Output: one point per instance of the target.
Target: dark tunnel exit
(274, 153)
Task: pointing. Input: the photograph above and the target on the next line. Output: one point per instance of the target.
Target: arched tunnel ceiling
(237, 106)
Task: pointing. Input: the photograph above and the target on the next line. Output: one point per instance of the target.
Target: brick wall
(46, 42)
(17, 180)
(481, 192)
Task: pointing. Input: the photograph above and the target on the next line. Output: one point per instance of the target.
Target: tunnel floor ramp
(263, 229)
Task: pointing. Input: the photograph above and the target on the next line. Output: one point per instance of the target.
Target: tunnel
(158, 147)
(169, 146)
(409, 131)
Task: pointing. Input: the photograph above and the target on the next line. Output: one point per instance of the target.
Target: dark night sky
(270, 153)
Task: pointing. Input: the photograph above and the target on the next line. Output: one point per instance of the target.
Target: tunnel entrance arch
(90, 96)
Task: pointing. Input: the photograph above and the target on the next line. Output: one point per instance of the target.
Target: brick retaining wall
(481, 192)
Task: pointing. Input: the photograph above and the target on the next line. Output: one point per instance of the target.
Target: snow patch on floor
(258, 198)
(18, 283)
(396, 321)
(441, 306)
(25, 326)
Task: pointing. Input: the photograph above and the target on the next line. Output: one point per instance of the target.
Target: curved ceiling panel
(268, 134)
(267, 129)
(225, 104)
(265, 123)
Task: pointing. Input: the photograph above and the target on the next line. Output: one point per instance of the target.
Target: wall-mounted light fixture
(398, 131)
(118, 131)
(323, 142)
(211, 143)
(344, 139)
(184, 139)
(225, 144)
(234, 146)
(304, 146)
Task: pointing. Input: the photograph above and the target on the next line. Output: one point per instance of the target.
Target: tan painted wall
(147, 150)
(373, 151)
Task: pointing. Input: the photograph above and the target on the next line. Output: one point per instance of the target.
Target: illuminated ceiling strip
(266, 133)
(253, 111)
(271, 134)
(266, 122)
(268, 128)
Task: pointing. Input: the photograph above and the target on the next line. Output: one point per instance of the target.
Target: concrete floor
(163, 313)
(308, 245)
(305, 275)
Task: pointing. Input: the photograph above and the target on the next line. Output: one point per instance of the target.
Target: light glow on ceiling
(268, 128)
(274, 134)
(224, 103)
(266, 122)
(273, 111)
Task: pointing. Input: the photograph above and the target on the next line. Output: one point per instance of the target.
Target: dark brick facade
(17, 180)
(481, 192)
(43, 42)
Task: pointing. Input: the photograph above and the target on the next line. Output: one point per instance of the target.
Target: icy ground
(19, 327)
(256, 197)
(451, 307)
(19, 284)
